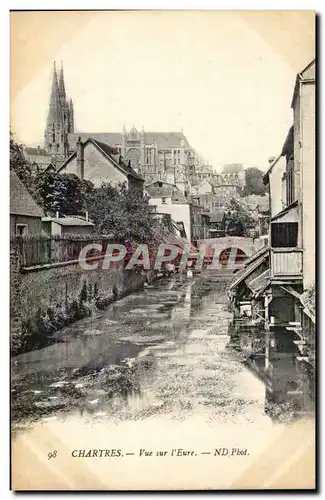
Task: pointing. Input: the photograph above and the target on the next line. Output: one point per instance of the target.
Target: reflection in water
(162, 351)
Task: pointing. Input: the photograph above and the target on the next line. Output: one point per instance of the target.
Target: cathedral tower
(60, 119)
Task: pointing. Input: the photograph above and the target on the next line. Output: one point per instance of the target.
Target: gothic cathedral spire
(55, 114)
(60, 120)
(61, 85)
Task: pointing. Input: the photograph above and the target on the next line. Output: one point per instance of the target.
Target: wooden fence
(41, 250)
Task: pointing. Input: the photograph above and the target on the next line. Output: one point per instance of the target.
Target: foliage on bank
(125, 213)
(63, 193)
(114, 209)
(309, 298)
(254, 182)
(239, 218)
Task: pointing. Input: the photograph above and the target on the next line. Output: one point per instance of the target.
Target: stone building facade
(165, 156)
(156, 156)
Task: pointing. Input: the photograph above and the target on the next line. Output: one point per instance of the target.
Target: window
(21, 229)
(284, 235)
(290, 185)
(149, 156)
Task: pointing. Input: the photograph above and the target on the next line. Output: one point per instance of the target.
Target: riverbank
(143, 320)
(143, 374)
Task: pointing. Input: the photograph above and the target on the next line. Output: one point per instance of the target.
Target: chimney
(38, 150)
(57, 215)
(80, 159)
(86, 215)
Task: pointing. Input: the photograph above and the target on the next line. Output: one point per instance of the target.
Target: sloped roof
(113, 154)
(261, 252)
(288, 214)
(166, 190)
(110, 153)
(307, 68)
(309, 308)
(259, 283)
(21, 201)
(267, 173)
(69, 221)
(246, 271)
(300, 78)
(109, 150)
(288, 144)
(164, 140)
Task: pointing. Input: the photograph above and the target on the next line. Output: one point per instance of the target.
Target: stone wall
(47, 298)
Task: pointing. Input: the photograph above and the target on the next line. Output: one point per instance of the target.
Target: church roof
(164, 140)
(21, 201)
(36, 151)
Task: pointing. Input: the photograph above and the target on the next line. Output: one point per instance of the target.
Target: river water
(149, 375)
(162, 350)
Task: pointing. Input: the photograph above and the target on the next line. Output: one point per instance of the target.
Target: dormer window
(160, 184)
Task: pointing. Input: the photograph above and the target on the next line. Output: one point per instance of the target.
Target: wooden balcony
(286, 263)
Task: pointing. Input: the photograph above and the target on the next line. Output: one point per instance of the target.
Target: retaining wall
(46, 298)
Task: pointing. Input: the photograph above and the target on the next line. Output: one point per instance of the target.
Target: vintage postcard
(162, 250)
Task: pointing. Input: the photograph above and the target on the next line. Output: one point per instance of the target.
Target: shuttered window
(284, 234)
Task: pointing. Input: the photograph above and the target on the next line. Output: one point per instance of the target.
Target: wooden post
(267, 332)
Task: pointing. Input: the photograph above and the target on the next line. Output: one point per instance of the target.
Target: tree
(125, 213)
(232, 168)
(254, 182)
(63, 193)
(239, 219)
(19, 164)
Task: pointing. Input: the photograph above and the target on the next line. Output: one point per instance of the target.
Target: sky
(225, 78)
